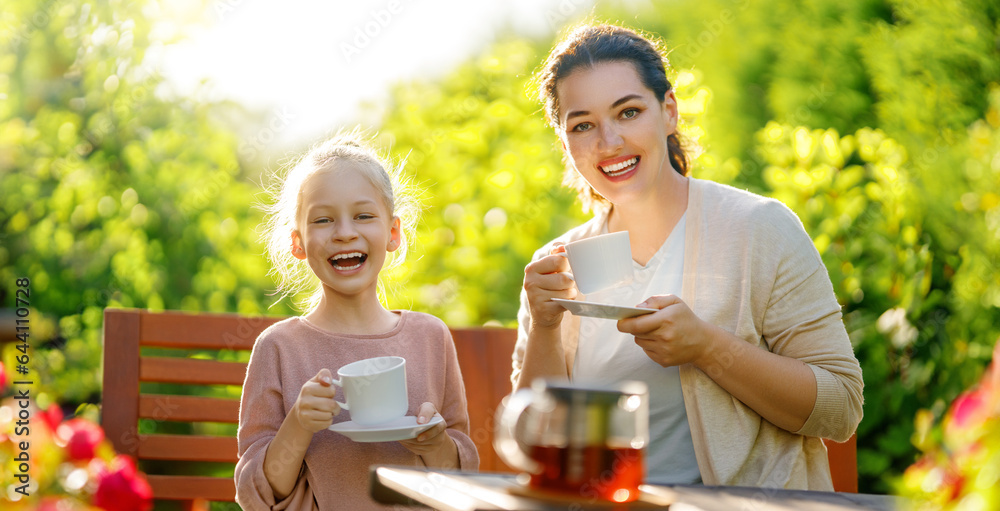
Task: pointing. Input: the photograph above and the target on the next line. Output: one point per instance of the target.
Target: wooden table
(471, 491)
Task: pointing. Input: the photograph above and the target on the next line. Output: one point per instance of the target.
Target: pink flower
(81, 438)
(121, 487)
(3, 378)
(967, 407)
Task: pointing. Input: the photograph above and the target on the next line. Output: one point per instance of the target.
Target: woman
(747, 358)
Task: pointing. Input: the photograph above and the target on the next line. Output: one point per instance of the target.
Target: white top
(605, 353)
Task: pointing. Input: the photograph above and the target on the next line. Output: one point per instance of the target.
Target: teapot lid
(593, 392)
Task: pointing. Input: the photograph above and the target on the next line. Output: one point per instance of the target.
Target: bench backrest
(171, 396)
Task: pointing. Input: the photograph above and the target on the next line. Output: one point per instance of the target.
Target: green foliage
(114, 194)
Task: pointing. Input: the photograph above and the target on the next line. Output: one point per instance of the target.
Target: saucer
(601, 310)
(403, 428)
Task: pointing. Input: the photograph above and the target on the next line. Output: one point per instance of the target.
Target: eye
(630, 113)
(583, 126)
(365, 216)
(322, 220)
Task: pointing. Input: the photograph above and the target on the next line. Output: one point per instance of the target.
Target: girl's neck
(353, 316)
(650, 220)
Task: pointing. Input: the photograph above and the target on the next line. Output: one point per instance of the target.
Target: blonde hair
(292, 276)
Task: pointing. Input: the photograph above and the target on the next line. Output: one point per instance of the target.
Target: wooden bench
(169, 370)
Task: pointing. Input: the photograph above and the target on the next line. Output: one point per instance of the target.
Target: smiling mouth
(620, 168)
(348, 260)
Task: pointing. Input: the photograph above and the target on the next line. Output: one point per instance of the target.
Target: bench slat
(191, 371)
(183, 330)
(163, 407)
(192, 487)
(187, 448)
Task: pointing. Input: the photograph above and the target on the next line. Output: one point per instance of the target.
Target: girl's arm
(313, 411)
(446, 445)
(435, 447)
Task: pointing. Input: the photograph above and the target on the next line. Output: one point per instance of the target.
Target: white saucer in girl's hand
(403, 428)
(601, 310)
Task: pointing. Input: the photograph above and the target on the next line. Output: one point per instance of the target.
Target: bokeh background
(135, 137)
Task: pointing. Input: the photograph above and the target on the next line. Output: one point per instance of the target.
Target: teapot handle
(504, 442)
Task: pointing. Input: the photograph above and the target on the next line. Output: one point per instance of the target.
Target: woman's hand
(545, 279)
(672, 336)
(433, 445)
(315, 407)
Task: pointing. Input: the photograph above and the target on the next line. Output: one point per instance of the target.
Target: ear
(395, 235)
(670, 113)
(297, 250)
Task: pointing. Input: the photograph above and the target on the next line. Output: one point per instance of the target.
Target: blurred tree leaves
(115, 194)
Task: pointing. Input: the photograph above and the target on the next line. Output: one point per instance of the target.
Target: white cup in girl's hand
(375, 389)
(600, 262)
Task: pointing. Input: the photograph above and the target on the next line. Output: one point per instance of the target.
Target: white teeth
(348, 268)
(613, 170)
(347, 255)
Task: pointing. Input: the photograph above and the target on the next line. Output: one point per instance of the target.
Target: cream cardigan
(751, 269)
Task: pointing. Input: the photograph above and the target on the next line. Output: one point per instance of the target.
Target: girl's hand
(432, 440)
(315, 407)
(545, 279)
(672, 336)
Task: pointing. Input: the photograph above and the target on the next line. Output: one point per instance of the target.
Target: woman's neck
(650, 220)
(353, 315)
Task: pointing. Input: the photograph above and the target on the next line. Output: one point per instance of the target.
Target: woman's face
(614, 130)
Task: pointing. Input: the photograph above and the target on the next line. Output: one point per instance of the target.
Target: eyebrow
(623, 99)
(362, 202)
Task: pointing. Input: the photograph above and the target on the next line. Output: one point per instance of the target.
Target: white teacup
(600, 262)
(375, 389)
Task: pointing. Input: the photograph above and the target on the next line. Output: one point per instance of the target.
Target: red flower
(51, 416)
(81, 438)
(121, 487)
(3, 378)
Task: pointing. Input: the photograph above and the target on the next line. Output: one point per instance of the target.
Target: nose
(611, 140)
(344, 231)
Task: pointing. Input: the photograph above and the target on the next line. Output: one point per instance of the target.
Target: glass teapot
(578, 440)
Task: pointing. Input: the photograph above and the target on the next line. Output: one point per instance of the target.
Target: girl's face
(614, 130)
(345, 230)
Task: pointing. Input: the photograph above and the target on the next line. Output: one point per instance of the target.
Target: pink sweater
(334, 473)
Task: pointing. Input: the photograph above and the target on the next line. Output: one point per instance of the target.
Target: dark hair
(587, 46)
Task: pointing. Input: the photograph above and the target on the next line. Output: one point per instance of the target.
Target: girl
(335, 220)
(747, 360)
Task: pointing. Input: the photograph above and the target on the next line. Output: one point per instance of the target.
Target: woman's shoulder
(744, 208)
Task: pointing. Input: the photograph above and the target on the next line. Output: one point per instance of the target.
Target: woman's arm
(780, 389)
(544, 279)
